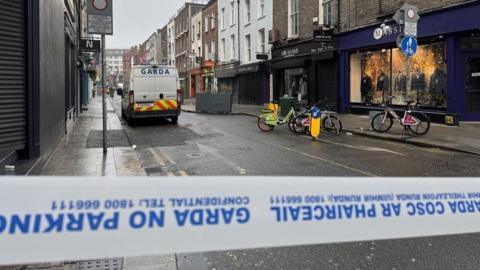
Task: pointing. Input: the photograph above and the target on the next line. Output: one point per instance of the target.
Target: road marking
(157, 157)
(216, 153)
(182, 173)
(169, 159)
(325, 160)
(362, 147)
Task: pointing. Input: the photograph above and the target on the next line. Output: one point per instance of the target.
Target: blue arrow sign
(409, 46)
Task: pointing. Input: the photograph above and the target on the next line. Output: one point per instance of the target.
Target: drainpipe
(238, 19)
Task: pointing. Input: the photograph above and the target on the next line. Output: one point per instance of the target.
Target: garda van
(153, 92)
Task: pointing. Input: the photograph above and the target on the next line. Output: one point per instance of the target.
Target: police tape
(67, 218)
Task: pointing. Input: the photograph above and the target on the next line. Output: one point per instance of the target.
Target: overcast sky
(136, 20)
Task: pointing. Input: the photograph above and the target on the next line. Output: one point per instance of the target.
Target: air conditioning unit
(273, 36)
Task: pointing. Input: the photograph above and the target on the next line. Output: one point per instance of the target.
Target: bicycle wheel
(423, 124)
(296, 125)
(263, 126)
(332, 124)
(382, 122)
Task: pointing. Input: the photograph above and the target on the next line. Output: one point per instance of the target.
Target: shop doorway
(471, 86)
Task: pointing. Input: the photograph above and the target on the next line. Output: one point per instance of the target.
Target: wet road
(233, 145)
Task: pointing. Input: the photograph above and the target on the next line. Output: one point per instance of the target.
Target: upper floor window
(222, 18)
(232, 13)
(206, 24)
(293, 18)
(261, 8)
(327, 12)
(248, 49)
(248, 13)
(261, 40)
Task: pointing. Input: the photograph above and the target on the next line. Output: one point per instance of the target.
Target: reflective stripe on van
(159, 105)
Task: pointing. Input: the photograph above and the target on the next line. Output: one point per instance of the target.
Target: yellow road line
(169, 159)
(157, 157)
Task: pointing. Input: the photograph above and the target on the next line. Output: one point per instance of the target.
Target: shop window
(472, 42)
(296, 84)
(376, 75)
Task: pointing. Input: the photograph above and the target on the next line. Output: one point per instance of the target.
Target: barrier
(214, 103)
(67, 218)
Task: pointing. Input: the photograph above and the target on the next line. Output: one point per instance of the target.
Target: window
(233, 53)
(232, 14)
(327, 12)
(261, 8)
(199, 34)
(294, 17)
(296, 83)
(223, 49)
(261, 41)
(222, 18)
(375, 75)
(193, 32)
(248, 49)
(247, 11)
(199, 51)
(213, 47)
(213, 19)
(206, 24)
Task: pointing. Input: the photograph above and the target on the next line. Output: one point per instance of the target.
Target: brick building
(163, 52)
(444, 69)
(304, 67)
(195, 73)
(183, 43)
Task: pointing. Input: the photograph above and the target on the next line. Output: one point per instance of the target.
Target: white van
(153, 92)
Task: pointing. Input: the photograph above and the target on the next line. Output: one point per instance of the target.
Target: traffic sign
(409, 46)
(407, 16)
(100, 17)
(90, 45)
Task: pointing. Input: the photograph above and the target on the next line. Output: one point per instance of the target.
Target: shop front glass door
(472, 84)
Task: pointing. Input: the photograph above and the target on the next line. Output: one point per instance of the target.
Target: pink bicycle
(417, 122)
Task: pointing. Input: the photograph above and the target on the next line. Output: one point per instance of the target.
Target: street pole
(104, 104)
(409, 77)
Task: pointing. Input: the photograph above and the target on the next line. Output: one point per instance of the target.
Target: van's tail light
(179, 96)
(131, 97)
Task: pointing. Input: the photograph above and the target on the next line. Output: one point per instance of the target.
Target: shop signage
(198, 60)
(90, 45)
(261, 56)
(247, 69)
(303, 49)
(476, 74)
(387, 31)
(322, 36)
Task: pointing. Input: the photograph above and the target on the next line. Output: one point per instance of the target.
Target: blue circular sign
(409, 46)
(316, 112)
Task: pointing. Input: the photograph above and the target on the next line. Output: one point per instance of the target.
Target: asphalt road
(233, 145)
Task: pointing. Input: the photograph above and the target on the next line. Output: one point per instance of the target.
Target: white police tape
(58, 219)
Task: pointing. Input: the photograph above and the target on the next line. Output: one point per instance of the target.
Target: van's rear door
(153, 83)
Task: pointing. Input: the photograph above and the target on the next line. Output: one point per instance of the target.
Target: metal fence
(214, 103)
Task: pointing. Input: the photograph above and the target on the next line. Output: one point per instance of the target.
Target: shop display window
(296, 84)
(375, 75)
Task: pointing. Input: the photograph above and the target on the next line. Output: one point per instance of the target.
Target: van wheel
(174, 120)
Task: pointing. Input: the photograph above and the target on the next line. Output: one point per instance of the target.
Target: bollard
(315, 122)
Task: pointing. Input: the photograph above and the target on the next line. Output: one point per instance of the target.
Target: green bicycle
(268, 118)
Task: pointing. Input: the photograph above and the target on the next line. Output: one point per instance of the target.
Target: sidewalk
(81, 152)
(464, 138)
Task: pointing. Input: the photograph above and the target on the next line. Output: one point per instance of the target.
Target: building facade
(151, 47)
(40, 67)
(163, 52)
(195, 73)
(210, 46)
(253, 74)
(229, 46)
(445, 70)
(304, 62)
(183, 43)
(114, 67)
(171, 42)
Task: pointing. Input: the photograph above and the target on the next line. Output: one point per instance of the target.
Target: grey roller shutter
(13, 79)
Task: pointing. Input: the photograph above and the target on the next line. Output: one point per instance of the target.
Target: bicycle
(417, 122)
(268, 118)
(329, 118)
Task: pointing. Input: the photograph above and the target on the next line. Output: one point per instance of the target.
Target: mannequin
(438, 86)
(400, 83)
(366, 87)
(418, 83)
